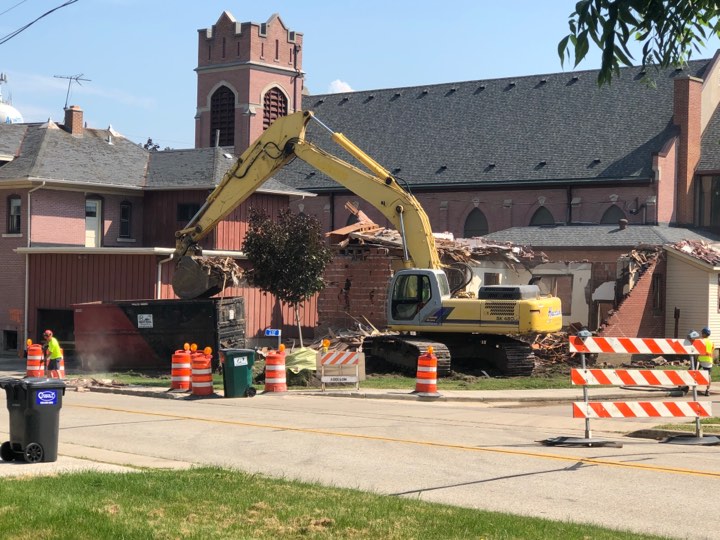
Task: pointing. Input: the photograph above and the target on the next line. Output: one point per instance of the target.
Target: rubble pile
(699, 250)
(225, 268)
(367, 233)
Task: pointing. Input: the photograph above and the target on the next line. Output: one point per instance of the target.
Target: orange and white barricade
(181, 370)
(275, 376)
(35, 361)
(635, 377)
(201, 376)
(426, 376)
(61, 365)
(339, 359)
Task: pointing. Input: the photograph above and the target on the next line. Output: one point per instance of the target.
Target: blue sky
(140, 54)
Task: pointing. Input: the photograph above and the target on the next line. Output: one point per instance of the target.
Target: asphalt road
(470, 454)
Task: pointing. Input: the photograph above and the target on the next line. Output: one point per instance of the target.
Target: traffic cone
(426, 380)
(275, 380)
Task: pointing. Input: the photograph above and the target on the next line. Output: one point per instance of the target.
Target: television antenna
(71, 78)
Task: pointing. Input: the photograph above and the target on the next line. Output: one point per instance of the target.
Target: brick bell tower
(248, 75)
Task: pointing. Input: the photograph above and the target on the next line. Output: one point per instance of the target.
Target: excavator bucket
(192, 280)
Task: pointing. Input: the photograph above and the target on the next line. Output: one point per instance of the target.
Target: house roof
(710, 145)
(597, 236)
(102, 157)
(529, 130)
(47, 152)
(199, 167)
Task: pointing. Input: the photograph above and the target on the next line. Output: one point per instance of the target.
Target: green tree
(669, 31)
(288, 257)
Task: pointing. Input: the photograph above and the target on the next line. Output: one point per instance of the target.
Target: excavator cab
(416, 295)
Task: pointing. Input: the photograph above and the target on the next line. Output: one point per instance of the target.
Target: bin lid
(41, 382)
(237, 352)
(9, 382)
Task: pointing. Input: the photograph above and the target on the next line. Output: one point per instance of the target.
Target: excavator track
(499, 354)
(403, 351)
(519, 359)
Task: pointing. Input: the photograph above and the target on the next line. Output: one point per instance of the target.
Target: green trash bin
(34, 405)
(237, 372)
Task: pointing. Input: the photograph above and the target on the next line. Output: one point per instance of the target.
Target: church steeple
(248, 75)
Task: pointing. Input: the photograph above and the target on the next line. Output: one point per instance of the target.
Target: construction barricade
(588, 410)
(35, 365)
(334, 364)
(181, 370)
(275, 376)
(426, 375)
(201, 373)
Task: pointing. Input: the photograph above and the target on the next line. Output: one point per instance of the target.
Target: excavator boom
(283, 141)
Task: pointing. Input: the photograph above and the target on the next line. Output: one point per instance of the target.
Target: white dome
(9, 114)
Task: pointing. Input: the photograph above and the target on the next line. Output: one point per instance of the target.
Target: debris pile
(225, 269)
(367, 233)
(699, 250)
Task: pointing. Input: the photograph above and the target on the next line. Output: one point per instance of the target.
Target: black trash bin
(237, 372)
(34, 405)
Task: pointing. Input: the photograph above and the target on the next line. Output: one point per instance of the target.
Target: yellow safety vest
(708, 357)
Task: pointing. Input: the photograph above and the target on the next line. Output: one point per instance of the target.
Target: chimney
(623, 224)
(687, 103)
(74, 120)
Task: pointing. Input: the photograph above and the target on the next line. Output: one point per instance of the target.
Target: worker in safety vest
(705, 361)
(53, 354)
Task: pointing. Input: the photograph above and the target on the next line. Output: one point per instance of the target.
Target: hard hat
(693, 335)
(48, 333)
(706, 331)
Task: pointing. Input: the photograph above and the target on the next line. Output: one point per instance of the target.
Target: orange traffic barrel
(61, 365)
(426, 379)
(35, 361)
(202, 381)
(181, 369)
(275, 380)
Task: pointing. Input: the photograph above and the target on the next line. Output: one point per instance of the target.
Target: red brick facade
(636, 316)
(357, 281)
(687, 116)
(240, 57)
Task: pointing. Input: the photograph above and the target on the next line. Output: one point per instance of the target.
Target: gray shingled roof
(500, 131)
(199, 167)
(48, 152)
(597, 236)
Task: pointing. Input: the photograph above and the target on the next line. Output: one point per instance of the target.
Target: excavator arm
(283, 141)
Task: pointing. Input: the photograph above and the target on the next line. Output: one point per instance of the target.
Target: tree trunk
(297, 321)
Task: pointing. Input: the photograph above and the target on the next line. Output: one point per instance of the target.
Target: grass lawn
(218, 503)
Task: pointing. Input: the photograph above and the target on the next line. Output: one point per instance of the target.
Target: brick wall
(357, 281)
(687, 116)
(635, 317)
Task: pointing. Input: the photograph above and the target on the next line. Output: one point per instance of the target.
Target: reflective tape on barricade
(641, 409)
(339, 359)
(635, 345)
(635, 377)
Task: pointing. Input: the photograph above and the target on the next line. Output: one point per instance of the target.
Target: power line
(13, 7)
(28, 25)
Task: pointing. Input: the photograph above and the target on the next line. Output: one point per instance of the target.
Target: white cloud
(338, 86)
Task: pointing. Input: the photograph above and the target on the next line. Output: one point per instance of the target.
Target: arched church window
(612, 215)
(275, 105)
(475, 224)
(542, 216)
(222, 117)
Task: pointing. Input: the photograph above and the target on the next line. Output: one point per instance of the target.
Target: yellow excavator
(484, 330)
